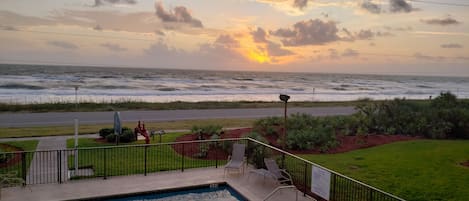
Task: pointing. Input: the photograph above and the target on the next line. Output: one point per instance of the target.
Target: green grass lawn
(131, 160)
(29, 145)
(94, 128)
(413, 170)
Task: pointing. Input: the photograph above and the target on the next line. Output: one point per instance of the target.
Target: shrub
(444, 117)
(207, 129)
(105, 132)
(268, 125)
(310, 138)
(4, 157)
(111, 138)
(227, 146)
(257, 153)
(445, 100)
(126, 136)
(203, 150)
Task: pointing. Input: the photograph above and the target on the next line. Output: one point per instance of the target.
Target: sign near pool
(321, 182)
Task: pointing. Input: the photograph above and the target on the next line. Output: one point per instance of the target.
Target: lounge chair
(280, 175)
(236, 160)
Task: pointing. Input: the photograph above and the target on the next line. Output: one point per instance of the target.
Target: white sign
(321, 182)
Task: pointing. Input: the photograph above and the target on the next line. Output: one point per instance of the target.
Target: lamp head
(284, 97)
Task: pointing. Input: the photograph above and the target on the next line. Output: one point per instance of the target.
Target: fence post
(23, 167)
(216, 154)
(182, 158)
(305, 179)
(59, 166)
(370, 195)
(248, 154)
(105, 163)
(283, 161)
(334, 178)
(145, 160)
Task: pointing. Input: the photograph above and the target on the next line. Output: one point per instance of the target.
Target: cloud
(180, 14)
(272, 48)
(462, 58)
(160, 33)
(98, 27)
(210, 56)
(408, 28)
(371, 7)
(350, 53)
(300, 3)
(364, 35)
(275, 49)
(227, 41)
(18, 20)
(427, 57)
(383, 34)
(443, 22)
(113, 47)
(8, 28)
(98, 3)
(63, 44)
(310, 32)
(451, 45)
(259, 36)
(333, 54)
(400, 6)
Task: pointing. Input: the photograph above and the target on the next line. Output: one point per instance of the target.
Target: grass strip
(89, 129)
(135, 105)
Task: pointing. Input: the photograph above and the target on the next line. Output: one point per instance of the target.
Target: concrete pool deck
(253, 187)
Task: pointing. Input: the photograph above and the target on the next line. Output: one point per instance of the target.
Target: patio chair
(236, 160)
(280, 175)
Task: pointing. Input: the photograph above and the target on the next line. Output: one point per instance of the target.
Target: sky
(418, 37)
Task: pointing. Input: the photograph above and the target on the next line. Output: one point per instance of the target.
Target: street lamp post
(76, 98)
(76, 132)
(284, 98)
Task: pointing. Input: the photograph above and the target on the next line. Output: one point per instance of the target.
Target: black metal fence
(57, 166)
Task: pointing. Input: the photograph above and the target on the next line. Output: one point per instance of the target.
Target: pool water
(215, 192)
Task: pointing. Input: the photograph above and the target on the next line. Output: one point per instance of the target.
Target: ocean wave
(110, 87)
(167, 89)
(242, 79)
(108, 76)
(213, 86)
(297, 89)
(424, 86)
(21, 86)
(339, 89)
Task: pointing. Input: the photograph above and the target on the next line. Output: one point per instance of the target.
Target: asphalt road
(67, 118)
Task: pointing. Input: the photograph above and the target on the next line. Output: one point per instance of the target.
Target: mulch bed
(13, 160)
(346, 143)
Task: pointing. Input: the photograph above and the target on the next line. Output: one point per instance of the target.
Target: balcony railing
(58, 166)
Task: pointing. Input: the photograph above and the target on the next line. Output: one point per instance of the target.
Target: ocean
(21, 84)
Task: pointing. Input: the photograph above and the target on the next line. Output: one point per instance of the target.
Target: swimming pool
(216, 192)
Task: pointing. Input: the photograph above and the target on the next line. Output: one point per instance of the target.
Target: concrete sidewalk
(253, 188)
